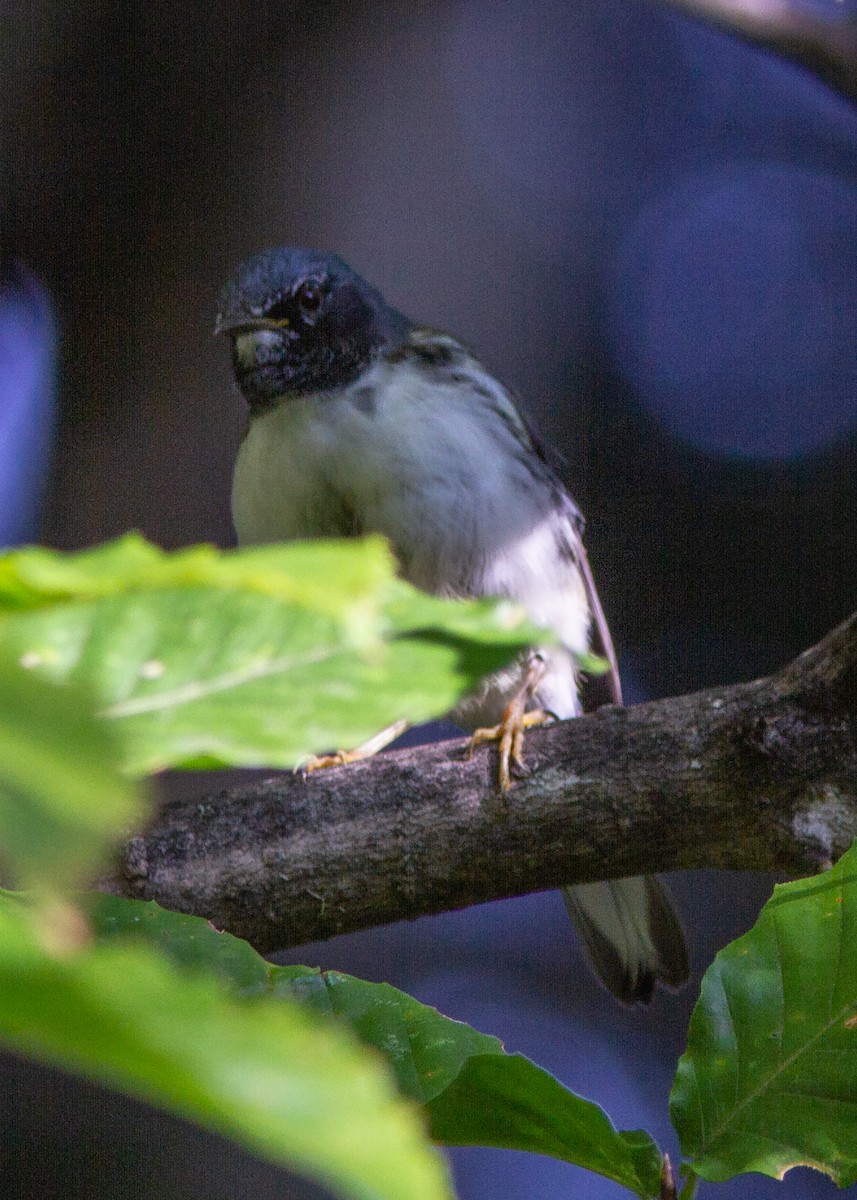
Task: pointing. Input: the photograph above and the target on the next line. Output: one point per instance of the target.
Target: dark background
(645, 227)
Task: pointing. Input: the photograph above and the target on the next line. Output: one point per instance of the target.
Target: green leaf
(769, 1078)
(62, 801)
(474, 1093)
(508, 1101)
(331, 576)
(253, 657)
(593, 664)
(267, 1073)
(408, 611)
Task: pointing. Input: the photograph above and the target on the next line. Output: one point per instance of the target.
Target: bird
(362, 421)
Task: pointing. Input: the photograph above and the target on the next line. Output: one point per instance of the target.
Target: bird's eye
(310, 295)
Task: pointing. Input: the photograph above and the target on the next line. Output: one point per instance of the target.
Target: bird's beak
(247, 324)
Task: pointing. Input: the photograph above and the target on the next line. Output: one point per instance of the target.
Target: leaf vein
(201, 689)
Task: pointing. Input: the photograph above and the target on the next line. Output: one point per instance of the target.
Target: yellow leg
(317, 762)
(510, 732)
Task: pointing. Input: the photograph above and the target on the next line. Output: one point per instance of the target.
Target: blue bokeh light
(27, 386)
(733, 308)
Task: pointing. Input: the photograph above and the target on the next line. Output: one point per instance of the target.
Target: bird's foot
(318, 762)
(510, 734)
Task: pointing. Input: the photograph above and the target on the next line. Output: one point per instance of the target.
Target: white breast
(433, 467)
(405, 457)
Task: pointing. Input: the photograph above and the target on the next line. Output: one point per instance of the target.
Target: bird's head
(301, 321)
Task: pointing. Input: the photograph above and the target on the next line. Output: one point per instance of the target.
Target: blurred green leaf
(474, 1092)
(251, 657)
(593, 664)
(769, 1078)
(267, 1073)
(300, 572)
(62, 801)
(408, 611)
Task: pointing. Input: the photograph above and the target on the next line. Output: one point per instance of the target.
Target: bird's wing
(602, 642)
(600, 689)
(480, 394)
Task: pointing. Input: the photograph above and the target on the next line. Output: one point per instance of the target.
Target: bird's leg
(510, 732)
(316, 762)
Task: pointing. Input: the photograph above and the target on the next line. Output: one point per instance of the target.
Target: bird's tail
(632, 935)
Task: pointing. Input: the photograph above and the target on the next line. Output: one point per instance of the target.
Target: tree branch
(758, 775)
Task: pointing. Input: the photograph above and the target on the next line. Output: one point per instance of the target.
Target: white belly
(406, 465)
(415, 464)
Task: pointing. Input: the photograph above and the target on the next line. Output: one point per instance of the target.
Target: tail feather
(632, 935)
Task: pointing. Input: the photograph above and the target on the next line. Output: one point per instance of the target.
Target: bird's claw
(340, 758)
(318, 762)
(510, 735)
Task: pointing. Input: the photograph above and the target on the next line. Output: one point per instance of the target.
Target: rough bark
(758, 775)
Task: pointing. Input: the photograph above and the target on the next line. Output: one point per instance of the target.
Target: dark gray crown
(262, 279)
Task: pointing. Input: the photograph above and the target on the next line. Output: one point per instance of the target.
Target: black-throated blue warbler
(361, 421)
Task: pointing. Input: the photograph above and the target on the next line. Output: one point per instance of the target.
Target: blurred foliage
(62, 801)
(260, 656)
(473, 1091)
(253, 657)
(267, 1073)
